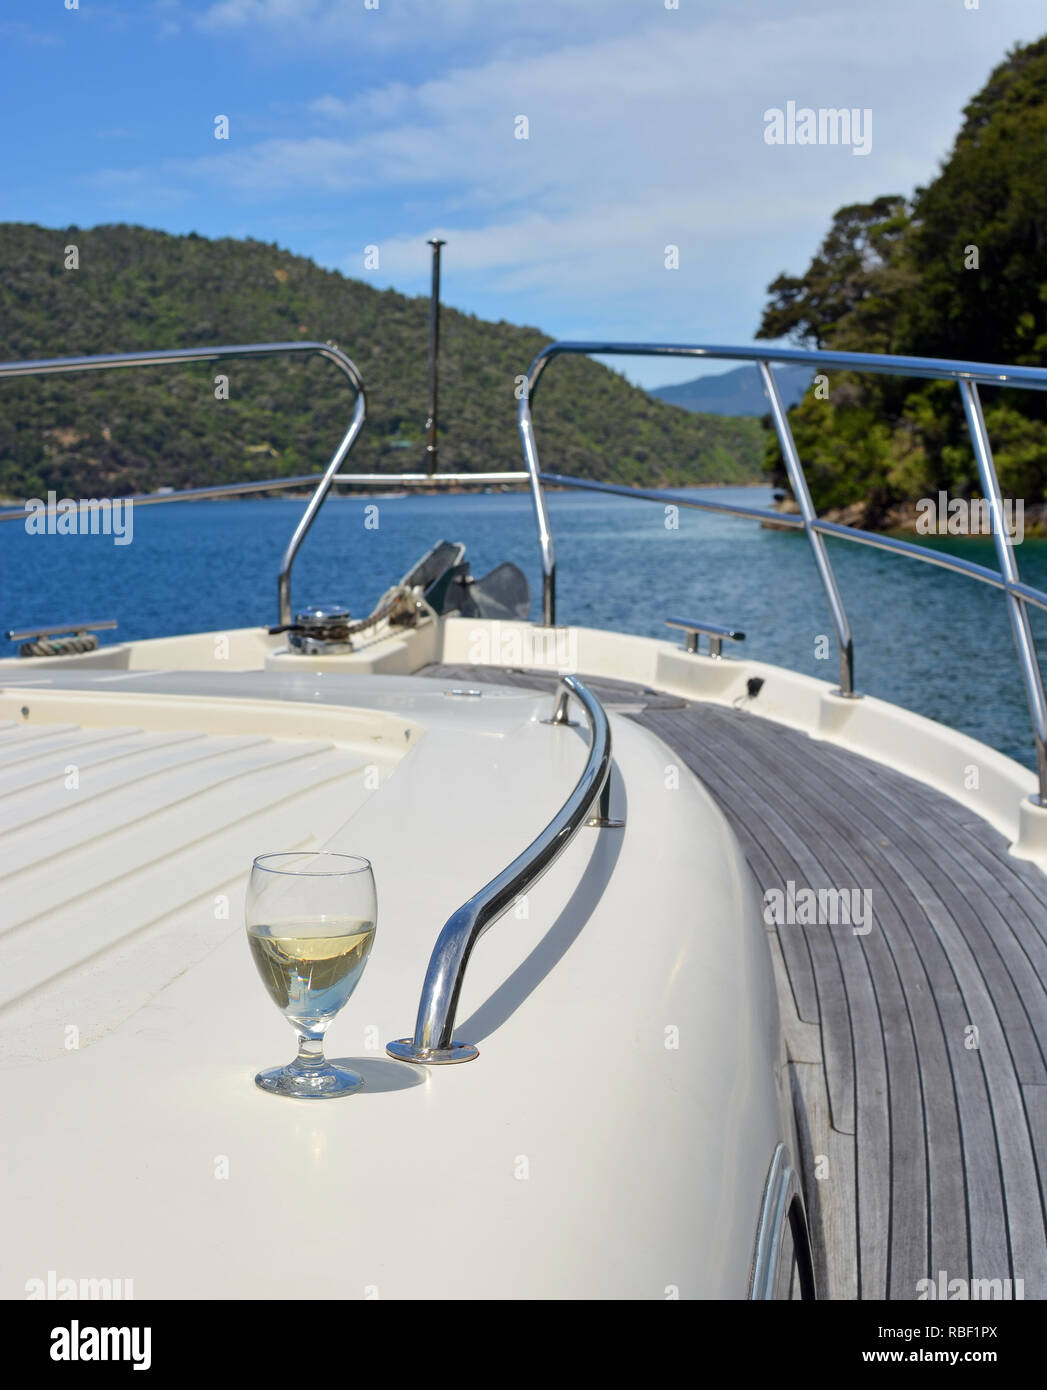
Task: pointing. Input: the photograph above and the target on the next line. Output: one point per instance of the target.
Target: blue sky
(352, 125)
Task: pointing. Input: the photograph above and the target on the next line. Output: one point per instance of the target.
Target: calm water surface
(934, 642)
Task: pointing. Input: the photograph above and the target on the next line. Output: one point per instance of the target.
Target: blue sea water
(934, 642)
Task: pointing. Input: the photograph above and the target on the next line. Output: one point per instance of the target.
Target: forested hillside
(127, 431)
(958, 270)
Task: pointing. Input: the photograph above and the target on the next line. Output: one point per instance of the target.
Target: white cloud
(235, 14)
(637, 134)
(632, 111)
(397, 21)
(638, 139)
(333, 107)
(12, 29)
(378, 103)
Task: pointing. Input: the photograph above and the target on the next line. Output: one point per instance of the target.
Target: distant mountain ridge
(738, 392)
(111, 433)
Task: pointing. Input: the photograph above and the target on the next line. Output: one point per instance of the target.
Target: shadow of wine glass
(382, 1074)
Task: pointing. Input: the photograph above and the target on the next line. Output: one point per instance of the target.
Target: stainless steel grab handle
(716, 633)
(433, 1034)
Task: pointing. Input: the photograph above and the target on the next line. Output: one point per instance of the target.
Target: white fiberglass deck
(135, 1144)
(120, 849)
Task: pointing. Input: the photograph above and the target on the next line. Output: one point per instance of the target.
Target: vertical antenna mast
(434, 348)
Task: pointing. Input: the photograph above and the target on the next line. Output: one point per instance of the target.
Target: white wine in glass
(310, 925)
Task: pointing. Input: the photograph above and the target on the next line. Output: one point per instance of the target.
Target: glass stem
(310, 1050)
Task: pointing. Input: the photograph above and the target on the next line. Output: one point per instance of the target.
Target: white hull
(614, 1137)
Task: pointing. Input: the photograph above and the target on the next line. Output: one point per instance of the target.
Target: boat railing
(968, 377)
(320, 482)
(433, 1040)
(173, 357)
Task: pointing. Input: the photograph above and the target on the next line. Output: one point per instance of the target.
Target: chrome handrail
(436, 480)
(786, 521)
(1023, 638)
(967, 375)
(433, 1034)
(802, 494)
(26, 634)
(716, 633)
(183, 494)
(217, 490)
(782, 1205)
(55, 366)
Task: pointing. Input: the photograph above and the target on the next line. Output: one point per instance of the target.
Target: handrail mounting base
(404, 1050)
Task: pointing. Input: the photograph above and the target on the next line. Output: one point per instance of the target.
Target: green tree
(123, 432)
(958, 271)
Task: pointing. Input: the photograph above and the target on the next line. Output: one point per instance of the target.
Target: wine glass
(310, 923)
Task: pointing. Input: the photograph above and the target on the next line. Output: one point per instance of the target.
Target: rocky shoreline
(902, 517)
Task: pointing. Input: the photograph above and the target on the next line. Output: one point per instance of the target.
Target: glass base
(309, 1083)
